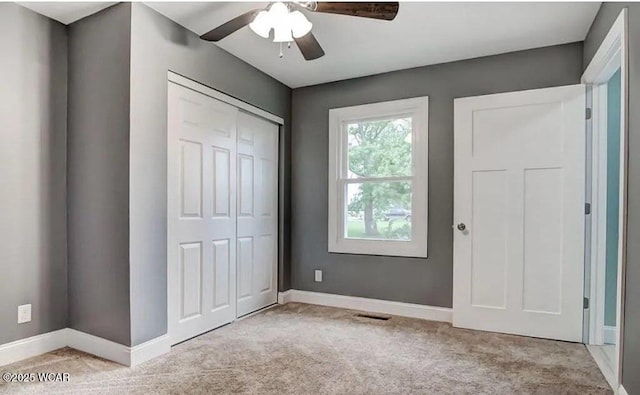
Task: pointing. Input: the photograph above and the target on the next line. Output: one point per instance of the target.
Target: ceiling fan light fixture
(282, 34)
(279, 14)
(300, 25)
(285, 23)
(261, 25)
(290, 24)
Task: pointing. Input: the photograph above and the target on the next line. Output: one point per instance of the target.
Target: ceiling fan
(290, 24)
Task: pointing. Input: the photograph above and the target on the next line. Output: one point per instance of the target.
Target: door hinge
(585, 303)
(588, 113)
(587, 208)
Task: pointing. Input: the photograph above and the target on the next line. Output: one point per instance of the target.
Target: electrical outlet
(318, 276)
(24, 313)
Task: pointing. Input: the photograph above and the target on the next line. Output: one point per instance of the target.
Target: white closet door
(519, 204)
(201, 213)
(257, 242)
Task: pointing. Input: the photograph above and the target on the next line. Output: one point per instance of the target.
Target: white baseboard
(284, 297)
(610, 334)
(149, 350)
(98, 346)
(622, 391)
(32, 346)
(107, 349)
(412, 310)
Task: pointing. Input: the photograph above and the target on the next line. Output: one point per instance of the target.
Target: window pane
(379, 148)
(379, 210)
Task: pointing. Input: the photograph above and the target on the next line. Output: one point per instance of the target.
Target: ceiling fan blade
(231, 26)
(384, 11)
(309, 46)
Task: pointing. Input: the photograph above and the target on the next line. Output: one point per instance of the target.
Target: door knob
(461, 227)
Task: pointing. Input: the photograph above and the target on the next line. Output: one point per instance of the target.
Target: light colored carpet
(304, 349)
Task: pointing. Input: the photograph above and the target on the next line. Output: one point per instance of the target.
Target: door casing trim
(611, 55)
(216, 94)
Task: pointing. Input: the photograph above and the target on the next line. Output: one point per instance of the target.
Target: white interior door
(519, 190)
(257, 213)
(202, 213)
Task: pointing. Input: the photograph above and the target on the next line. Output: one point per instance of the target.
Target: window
(378, 178)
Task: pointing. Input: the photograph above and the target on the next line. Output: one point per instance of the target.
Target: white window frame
(418, 110)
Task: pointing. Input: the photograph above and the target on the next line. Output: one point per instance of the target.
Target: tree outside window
(380, 179)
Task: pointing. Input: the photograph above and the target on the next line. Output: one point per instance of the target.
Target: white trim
(198, 87)
(67, 337)
(602, 360)
(98, 346)
(611, 55)
(149, 350)
(604, 62)
(32, 346)
(622, 391)
(284, 297)
(598, 237)
(338, 179)
(124, 355)
(431, 313)
(610, 334)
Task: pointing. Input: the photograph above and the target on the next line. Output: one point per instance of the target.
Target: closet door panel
(201, 213)
(258, 211)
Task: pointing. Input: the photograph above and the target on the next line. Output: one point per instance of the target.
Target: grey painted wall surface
(424, 281)
(32, 158)
(158, 45)
(631, 344)
(98, 174)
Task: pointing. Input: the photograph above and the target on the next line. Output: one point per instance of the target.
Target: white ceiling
(67, 12)
(423, 33)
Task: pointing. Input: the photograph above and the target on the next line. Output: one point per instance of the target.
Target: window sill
(378, 248)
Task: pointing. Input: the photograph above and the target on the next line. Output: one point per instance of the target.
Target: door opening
(606, 237)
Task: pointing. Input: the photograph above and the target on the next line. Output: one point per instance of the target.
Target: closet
(222, 175)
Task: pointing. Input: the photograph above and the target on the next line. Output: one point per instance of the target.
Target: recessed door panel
(529, 128)
(191, 111)
(246, 185)
(191, 279)
(266, 246)
(220, 120)
(543, 240)
(190, 178)
(221, 182)
(267, 181)
(245, 266)
(489, 255)
(221, 270)
(246, 132)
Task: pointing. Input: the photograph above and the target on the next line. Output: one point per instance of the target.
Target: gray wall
(32, 158)
(631, 345)
(158, 45)
(98, 174)
(424, 281)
